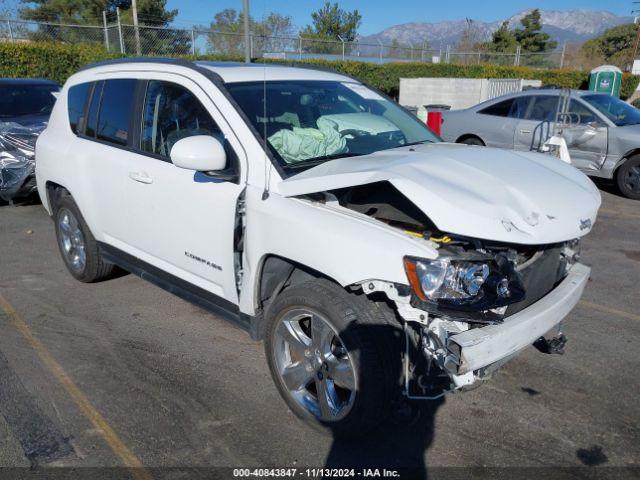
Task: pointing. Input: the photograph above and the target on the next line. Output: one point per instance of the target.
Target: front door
(586, 137)
(182, 221)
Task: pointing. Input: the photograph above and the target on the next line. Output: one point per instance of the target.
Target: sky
(380, 14)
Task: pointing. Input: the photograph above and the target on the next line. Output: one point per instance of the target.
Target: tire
(364, 338)
(76, 243)
(628, 178)
(472, 141)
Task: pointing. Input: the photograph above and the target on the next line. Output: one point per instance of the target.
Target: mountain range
(574, 26)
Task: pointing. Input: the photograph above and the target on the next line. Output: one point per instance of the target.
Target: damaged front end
(476, 305)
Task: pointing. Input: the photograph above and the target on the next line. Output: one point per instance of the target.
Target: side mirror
(201, 153)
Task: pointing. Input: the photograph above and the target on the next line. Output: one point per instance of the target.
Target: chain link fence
(148, 40)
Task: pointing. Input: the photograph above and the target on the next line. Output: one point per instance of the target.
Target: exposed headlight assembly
(465, 284)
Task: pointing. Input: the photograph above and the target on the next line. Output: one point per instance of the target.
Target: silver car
(602, 135)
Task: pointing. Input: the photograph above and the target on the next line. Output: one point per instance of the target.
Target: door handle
(141, 177)
(525, 131)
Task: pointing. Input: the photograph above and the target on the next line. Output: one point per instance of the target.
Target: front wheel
(330, 354)
(628, 178)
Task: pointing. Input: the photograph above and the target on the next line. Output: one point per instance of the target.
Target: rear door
(496, 124)
(536, 126)
(104, 143)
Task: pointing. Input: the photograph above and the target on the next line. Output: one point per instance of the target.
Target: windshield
(310, 122)
(614, 109)
(17, 100)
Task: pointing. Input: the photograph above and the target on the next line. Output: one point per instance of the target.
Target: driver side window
(171, 113)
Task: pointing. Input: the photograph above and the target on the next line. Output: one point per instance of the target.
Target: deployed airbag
(304, 143)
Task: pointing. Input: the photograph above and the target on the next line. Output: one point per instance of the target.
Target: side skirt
(179, 287)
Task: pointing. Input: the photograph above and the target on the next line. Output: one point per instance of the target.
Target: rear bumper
(480, 347)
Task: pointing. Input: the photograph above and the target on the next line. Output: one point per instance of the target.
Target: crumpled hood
(502, 195)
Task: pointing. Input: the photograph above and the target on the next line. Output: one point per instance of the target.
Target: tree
(394, 50)
(614, 46)
(531, 38)
(470, 41)
(151, 13)
(503, 40)
(226, 37)
(332, 23)
(230, 21)
(274, 33)
(89, 12)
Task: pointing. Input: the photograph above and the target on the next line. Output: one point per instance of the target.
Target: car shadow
(29, 200)
(401, 441)
(608, 186)
(399, 444)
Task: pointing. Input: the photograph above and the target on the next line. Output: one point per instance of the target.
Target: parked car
(25, 105)
(375, 261)
(603, 140)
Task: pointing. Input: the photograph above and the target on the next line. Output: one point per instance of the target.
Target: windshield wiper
(415, 143)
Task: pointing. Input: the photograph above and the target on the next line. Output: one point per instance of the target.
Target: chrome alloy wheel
(632, 179)
(71, 240)
(314, 364)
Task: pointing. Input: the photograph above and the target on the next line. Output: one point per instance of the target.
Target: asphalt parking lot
(121, 373)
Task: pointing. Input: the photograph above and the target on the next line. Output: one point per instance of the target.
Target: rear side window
(500, 109)
(76, 100)
(512, 108)
(114, 119)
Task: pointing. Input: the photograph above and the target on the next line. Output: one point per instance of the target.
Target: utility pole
(342, 40)
(636, 20)
(120, 31)
(247, 37)
(106, 31)
(134, 8)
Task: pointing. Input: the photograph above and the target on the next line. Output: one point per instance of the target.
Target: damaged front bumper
(476, 348)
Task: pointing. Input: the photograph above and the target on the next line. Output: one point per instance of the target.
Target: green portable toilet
(606, 79)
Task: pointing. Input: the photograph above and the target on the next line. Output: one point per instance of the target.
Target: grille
(540, 277)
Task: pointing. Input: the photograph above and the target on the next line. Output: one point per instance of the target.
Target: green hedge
(55, 61)
(58, 61)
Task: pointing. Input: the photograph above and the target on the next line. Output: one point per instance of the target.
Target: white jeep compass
(376, 262)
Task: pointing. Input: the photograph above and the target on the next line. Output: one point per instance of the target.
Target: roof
(606, 68)
(550, 91)
(27, 81)
(231, 72)
(242, 72)
(545, 91)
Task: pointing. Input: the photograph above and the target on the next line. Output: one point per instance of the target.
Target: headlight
(465, 284)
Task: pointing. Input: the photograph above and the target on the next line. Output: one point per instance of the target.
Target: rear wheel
(77, 245)
(628, 178)
(328, 352)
